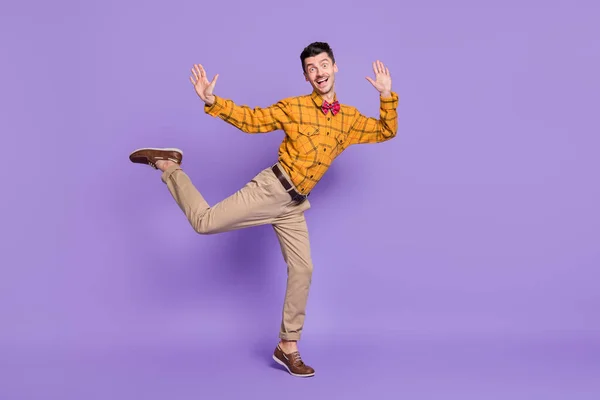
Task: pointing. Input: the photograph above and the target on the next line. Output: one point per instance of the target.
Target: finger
(375, 67)
(195, 73)
(202, 71)
(192, 80)
(214, 81)
(381, 67)
(387, 71)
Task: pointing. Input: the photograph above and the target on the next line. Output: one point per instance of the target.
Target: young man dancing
(317, 130)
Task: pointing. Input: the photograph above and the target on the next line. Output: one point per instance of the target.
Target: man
(318, 129)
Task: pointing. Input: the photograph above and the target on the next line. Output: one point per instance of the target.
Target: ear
(335, 68)
(305, 77)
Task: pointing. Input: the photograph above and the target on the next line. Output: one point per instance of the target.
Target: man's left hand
(383, 79)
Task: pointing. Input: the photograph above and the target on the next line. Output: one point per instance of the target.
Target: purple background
(459, 260)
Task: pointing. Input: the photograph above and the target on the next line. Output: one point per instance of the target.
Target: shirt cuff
(216, 107)
(389, 103)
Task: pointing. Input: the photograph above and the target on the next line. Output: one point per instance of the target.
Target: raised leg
(260, 201)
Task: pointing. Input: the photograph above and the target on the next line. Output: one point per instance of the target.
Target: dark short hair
(315, 49)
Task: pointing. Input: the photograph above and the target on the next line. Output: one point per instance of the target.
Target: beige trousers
(261, 201)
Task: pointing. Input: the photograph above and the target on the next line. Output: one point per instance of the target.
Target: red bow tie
(334, 107)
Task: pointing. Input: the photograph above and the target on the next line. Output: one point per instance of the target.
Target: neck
(328, 97)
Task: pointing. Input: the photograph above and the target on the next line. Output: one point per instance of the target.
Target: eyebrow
(320, 62)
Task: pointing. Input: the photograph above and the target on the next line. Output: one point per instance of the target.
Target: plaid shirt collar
(318, 100)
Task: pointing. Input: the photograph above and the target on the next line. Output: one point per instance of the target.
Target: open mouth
(322, 82)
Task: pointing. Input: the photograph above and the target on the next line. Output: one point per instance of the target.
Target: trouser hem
(169, 171)
(289, 336)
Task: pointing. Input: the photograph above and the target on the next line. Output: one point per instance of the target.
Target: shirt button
(324, 149)
(328, 118)
(311, 176)
(319, 163)
(328, 133)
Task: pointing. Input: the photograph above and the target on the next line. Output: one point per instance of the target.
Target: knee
(301, 270)
(203, 223)
(204, 229)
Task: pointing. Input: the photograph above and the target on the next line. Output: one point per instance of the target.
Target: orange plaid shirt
(313, 139)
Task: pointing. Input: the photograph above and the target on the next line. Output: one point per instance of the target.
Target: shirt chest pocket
(341, 141)
(308, 130)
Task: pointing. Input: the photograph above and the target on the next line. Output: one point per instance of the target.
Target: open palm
(204, 88)
(383, 79)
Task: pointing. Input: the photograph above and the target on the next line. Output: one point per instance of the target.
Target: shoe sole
(160, 149)
(278, 361)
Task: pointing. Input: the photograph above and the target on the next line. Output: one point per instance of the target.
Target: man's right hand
(203, 87)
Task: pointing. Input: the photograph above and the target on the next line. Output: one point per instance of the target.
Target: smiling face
(320, 71)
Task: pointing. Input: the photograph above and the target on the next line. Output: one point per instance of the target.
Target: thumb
(214, 82)
(371, 80)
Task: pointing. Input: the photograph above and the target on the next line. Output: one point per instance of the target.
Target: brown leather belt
(287, 186)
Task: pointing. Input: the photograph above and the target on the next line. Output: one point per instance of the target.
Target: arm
(371, 130)
(249, 120)
(257, 120)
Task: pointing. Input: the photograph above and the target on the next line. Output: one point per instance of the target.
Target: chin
(325, 90)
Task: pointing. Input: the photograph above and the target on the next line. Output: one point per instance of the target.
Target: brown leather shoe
(151, 155)
(293, 363)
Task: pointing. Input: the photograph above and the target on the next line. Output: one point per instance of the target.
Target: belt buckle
(299, 198)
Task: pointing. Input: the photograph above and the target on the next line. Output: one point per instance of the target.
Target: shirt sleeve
(371, 130)
(250, 120)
